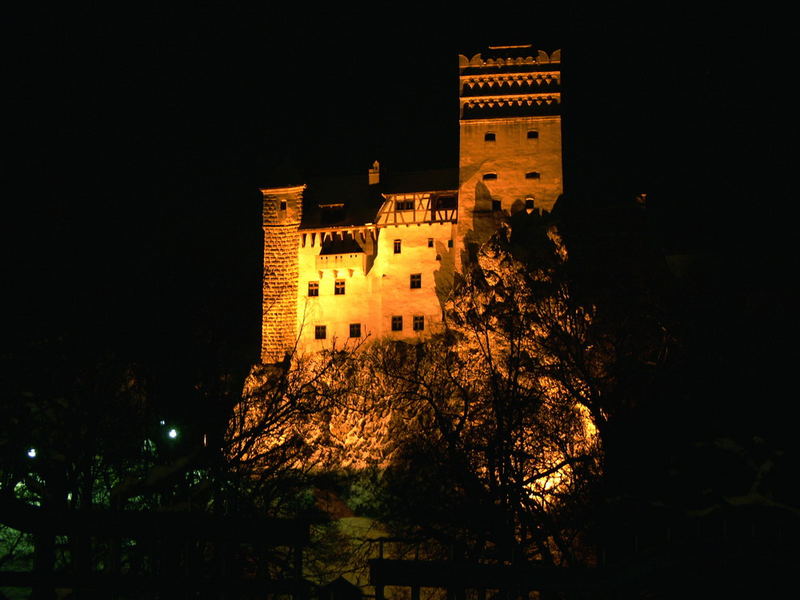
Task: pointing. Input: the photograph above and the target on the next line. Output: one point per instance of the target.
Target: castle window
(404, 205)
(397, 323)
(355, 330)
(533, 135)
(397, 246)
(529, 203)
(419, 323)
(416, 280)
(533, 175)
(489, 137)
(313, 288)
(487, 176)
(430, 242)
(449, 243)
(320, 332)
(338, 287)
(496, 205)
(283, 204)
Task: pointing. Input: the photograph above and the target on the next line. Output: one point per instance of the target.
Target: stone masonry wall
(281, 219)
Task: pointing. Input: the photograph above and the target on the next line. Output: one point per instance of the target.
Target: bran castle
(376, 256)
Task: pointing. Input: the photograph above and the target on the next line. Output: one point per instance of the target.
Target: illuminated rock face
(336, 280)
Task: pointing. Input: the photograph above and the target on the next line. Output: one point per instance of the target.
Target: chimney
(375, 173)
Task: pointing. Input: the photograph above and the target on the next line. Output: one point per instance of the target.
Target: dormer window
(489, 176)
(533, 175)
(489, 137)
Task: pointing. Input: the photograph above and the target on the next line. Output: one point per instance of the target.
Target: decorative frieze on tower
(509, 137)
(282, 211)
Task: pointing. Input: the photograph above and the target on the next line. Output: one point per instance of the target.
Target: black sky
(136, 142)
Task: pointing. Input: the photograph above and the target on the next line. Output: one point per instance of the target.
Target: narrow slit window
(320, 332)
(449, 243)
(313, 288)
(430, 242)
(397, 323)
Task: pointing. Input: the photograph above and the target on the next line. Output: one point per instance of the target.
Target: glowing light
(162, 422)
(172, 433)
(31, 452)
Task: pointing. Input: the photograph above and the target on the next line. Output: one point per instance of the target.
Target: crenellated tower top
(510, 81)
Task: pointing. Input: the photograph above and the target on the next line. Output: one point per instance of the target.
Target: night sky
(135, 144)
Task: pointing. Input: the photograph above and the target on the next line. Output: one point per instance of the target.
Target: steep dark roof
(350, 200)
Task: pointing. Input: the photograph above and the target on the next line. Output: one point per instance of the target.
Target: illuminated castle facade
(376, 256)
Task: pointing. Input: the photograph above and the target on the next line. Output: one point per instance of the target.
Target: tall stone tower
(510, 138)
(282, 210)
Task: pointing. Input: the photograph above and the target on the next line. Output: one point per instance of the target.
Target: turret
(282, 211)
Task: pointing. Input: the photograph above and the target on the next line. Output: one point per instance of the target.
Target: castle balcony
(355, 261)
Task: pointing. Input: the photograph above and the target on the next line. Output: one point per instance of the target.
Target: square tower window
(355, 330)
(397, 246)
(489, 137)
(338, 287)
(313, 288)
(419, 323)
(533, 135)
(416, 280)
(397, 323)
(487, 176)
(320, 332)
(533, 175)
